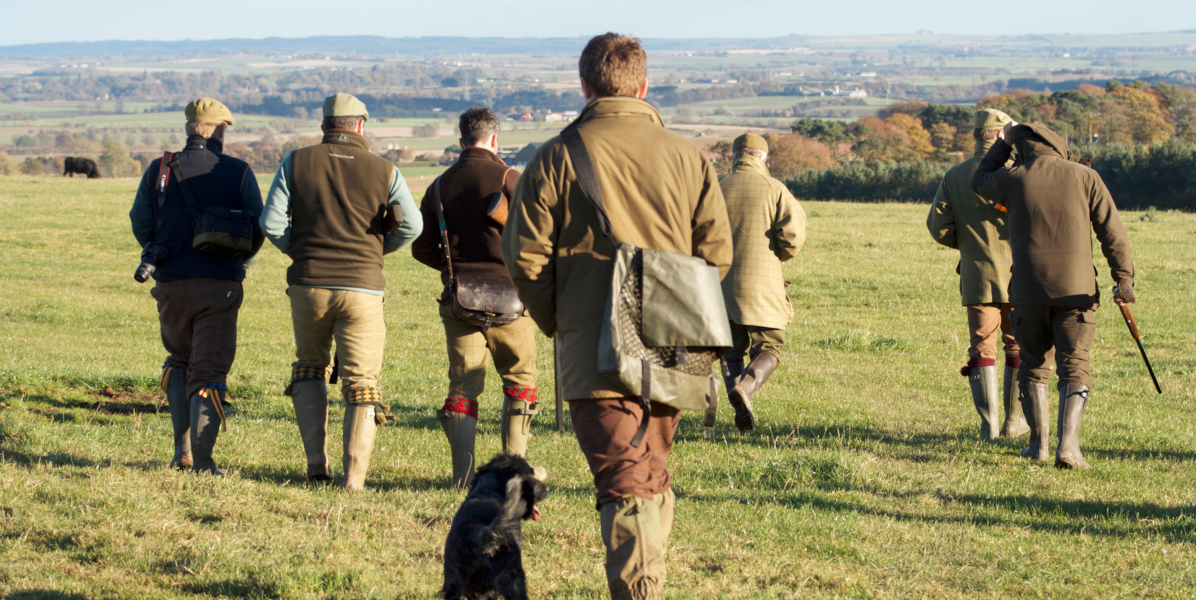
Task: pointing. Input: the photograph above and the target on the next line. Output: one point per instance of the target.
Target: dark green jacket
(1054, 205)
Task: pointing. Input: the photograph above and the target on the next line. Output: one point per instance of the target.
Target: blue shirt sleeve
(276, 215)
(413, 221)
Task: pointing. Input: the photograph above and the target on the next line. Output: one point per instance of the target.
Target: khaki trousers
(749, 341)
(984, 322)
(354, 319)
(1055, 332)
(198, 318)
(513, 347)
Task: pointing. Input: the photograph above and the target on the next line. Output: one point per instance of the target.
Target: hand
(1007, 131)
(1125, 293)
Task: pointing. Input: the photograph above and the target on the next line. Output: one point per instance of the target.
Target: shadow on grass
(44, 595)
(109, 407)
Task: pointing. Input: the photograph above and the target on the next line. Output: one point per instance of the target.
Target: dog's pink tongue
(535, 513)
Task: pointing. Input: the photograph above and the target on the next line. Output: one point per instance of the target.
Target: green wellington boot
(518, 407)
(310, 397)
(360, 429)
(207, 416)
(1038, 416)
(180, 416)
(749, 384)
(1072, 401)
(1015, 420)
(460, 429)
(986, 398)
(634, 534)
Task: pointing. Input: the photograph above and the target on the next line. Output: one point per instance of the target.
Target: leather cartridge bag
(481, 300)
(665, 323)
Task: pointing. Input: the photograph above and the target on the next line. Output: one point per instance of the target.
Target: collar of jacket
(619, 106)
(196, 142)
(345, 137)
(748, 163)
(480, 154)
(1034, 139)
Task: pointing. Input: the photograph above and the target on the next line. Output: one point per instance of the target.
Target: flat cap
(345, 105)
(208, 110)
(749, 140)
(989, 118)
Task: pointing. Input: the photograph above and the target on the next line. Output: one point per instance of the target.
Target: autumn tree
(793, 153)
(1146, 121)
(1181, 103)
(919, 138)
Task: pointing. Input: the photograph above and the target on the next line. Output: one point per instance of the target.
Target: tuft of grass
(865, 477)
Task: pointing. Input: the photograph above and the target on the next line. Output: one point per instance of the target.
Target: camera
(150, 257)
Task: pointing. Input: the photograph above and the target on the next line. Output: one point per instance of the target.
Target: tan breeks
(984, 321)
(513, 347)
(354, 318)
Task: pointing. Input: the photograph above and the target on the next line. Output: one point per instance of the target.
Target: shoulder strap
(183, 187)
(585, 176)
(444, 240)
(163, 177)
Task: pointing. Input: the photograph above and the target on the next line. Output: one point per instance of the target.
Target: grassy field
(864, 480)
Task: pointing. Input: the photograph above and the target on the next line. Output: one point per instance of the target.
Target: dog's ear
(513, 505)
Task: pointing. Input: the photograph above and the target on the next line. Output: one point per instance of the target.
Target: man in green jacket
(976, 227)
(768, 227)
(1054, 204)
(660, 192)
(327, 210)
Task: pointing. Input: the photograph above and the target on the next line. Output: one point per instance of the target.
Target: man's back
(981, 236)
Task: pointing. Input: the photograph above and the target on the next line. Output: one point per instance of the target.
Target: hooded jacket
(1053, 206)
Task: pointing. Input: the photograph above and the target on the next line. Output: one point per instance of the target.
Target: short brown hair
(614, 65)
(342, 122)
(477, 124)
(204, 130)
(987, 135)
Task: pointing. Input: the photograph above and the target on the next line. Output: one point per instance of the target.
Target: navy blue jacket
(214, 180)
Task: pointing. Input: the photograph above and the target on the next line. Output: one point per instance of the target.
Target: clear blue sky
(33, 21)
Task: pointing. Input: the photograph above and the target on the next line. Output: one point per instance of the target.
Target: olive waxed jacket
(660, 192)
(768, 227)
(1054, 204)
(973, 225)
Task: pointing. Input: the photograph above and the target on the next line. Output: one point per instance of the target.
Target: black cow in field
(86, 166)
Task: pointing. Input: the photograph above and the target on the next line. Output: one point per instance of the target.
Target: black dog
(481, 555)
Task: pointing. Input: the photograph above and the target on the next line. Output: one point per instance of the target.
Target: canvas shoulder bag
(219, 231)
(665, 323)
(477, 299)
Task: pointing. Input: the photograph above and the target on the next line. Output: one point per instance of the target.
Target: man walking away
(1053, 205)
(976, 227)
(768, 228)
(474, 194)
(660, 192)
(198, 293)
(328, 210)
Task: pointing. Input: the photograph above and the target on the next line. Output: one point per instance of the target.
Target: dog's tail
(490, 538)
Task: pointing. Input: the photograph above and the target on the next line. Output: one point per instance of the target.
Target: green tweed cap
(208, 110)
(345, 105)
(749, 140)
(990, 118)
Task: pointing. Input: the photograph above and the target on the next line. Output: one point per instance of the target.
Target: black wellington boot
(753, 379)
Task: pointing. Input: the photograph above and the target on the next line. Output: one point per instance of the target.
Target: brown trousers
(1055, 332)
(749, 341)
(984, 321)
(198, 317)
(355, 319)
(513, 347)
(604, 429)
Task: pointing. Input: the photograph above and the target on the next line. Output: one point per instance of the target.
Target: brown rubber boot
(634, 536)
(1015, 420)
(359, 431)
(986, 399)
(310, 397)
(459, 421)
(175, 385)
(1038, 416)
(732, 370)
(749, 384)
(1072, 401)
(518, 407)
(207, 416)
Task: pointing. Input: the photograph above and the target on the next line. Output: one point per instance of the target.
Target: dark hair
(342, 122)
(614, 65)
(477, 124)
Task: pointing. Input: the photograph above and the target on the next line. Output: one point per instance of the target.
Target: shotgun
(1129, 322)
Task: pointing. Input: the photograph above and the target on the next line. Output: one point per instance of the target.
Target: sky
(32, 21)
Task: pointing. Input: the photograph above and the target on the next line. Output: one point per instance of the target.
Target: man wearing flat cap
(975, 226)
(336, 209)
(768, 227)
(197, 287)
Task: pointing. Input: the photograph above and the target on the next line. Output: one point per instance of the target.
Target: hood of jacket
(1035, 139)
